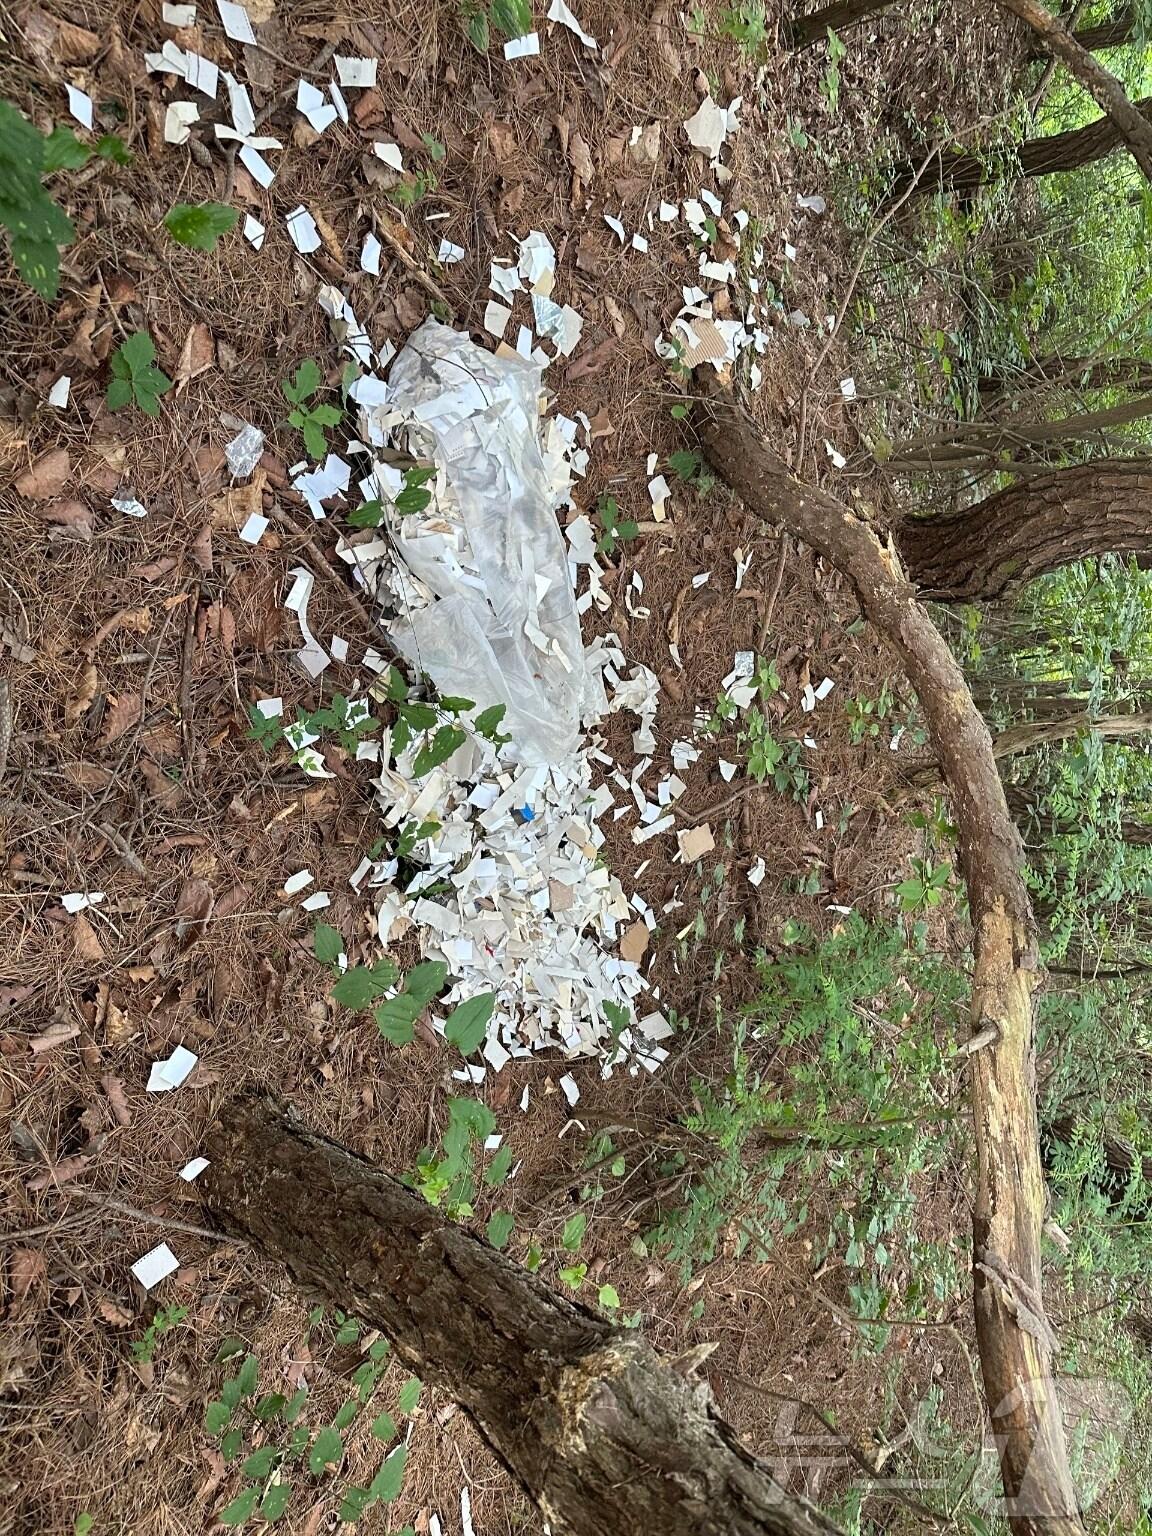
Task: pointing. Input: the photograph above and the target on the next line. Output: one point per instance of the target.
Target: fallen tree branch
(1013, 1338)
(604, 1435)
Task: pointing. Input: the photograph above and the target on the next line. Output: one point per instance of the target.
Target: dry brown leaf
(57, 42)
(112, 1312)
(88, 946)
(646, 149)
(193, 909)
(71, 519)
(117, 1099)
(138, 621)
(59, 1173)
(196, 356)
(47, 476)
(581, 159)
(81, 701)
(81, 347)
(634, 942)
(55, 1034)
(600, 425)
(88, 775)
(200, 549)
(239, 502)
(155, 568)
(615, 314)
(118, 1028)
(26, 1267)
(593, 361)
(124, 711)
(11, 995)
(169, 792)
(331, 239)
(502, 142)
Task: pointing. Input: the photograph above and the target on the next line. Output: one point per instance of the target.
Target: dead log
(604, 1435)
(1015, 1341)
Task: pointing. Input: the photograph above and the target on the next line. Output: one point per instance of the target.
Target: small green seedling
(199, 225)
(135, 376)
(511, 17)
(614, 528)
(167, 1318)
(310, 420)
(925, 887)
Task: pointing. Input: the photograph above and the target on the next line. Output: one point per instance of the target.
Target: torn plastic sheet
(493, 615)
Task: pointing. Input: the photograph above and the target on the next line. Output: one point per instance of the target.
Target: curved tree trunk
(1016, 1344)
(602, 1433)
(1035, 157)
(803, 31)
(1050, 733)
(989, 550)
(1109, 34)
(1099, 82)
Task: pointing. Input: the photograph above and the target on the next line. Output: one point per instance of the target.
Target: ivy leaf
(276, 1501)
(199, 225)
(384, 1427)
(421, 717)
(110, 146)
(217, 1417)
(347, 1411)
(397, 685)
(487, 722)
(467, 1025)
(389, 1480)
(425, 980)
(370, 515)
(327, 945)
(249, 1376)
(413, 498)
(327, 415)
(409, 1395)
(38, 263)
(232, 1444)
(355, 1502)
(314, 440)
(446, 740)
(478, 34)
(304, 383)
(269, 1406)
(242, 1507)
(293, 1407)
(500, 1225)
(499, 1167)
(328, 1447)
(476, 1118)
(609, 1297)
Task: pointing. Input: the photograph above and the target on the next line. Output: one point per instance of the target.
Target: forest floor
(133, 649)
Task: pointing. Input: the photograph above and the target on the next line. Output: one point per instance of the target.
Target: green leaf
(217, 1417)
(397, 684)
(413, 498)
(512, 17)
(679, 412)
(389, 1480)
(348, 1331)
(499, 1167)
(433, 146)
(476, 1118)
(63, 151)
(315, 442)
(446, 741)
(229, 1348)
(199, 225)
(276, 1501)
(38, 263)
(269, 1406)
(261, 1462)
(294, 1405)
(467, 1024)
(327, 944)
(83, 1524)
(137, 352)
(396, 1019)
(477, 29)
(609, 1297)
(242, 1507)
(370, 515)
(384, 1427)
(574, 1230)
(304, 383)
(421, 717)
(232, 1444)
(360, 986)
(409, 1395)
(573, 1276)
(684, 464)
(327, 415)
(328, 1447)
(500, 1225)
(347, 1411)
(426, 980)
(249, 1376)
(355, 1502)
(110, 146)
(487, 722)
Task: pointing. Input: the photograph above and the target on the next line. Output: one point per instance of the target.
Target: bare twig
(110, 1202)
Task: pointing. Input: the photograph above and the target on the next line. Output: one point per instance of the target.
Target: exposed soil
(131, 649)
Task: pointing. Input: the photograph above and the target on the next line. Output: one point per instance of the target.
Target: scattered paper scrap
(80, 901)
(80, 106)
(370, 255)
(569, 1089)
(757, 872)
(254, 234)
(300, 881)
(169, 1074)
(244, 451)
(256, 166)
(449, 254)
(235, 21)
(178, 120)
(558, 11)
(355, 73)
(391, 154)
(302, 229)
(320, 112)
(254, 529)
(178, 15)
(694, 843)
(129, 506)
(525, 47)
(194, 1169)
(155, 1265)
(316, 902)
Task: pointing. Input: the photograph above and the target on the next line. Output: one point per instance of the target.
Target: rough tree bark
(987, 551)
(1108, 34)
(1014, 1339)
(605, 1436)
(1050, 733)
(803, 31)
(1099, 82)
(968, 441)
(1035, 157)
